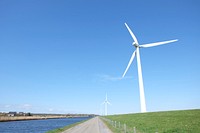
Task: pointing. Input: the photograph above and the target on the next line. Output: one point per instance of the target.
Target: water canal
(37, 126)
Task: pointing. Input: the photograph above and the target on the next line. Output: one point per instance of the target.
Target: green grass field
(185, 121)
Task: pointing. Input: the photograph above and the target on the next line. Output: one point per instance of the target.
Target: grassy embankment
(185, 121)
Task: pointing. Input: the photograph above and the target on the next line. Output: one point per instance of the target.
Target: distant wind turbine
(137, 53)
(106, 102)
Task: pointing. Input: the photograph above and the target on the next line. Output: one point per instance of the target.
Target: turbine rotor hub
(135, 44)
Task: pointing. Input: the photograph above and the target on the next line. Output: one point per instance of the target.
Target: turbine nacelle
(135, 44)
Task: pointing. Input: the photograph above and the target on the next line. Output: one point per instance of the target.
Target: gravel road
(94, 125)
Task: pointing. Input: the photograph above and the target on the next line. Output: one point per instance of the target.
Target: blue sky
(64, 56)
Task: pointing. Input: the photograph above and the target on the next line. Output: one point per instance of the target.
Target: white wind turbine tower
(106, 102)
(137, 53)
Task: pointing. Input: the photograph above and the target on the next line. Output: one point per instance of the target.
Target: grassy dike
(184, 121)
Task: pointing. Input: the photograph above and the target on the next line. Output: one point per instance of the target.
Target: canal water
(37, 126)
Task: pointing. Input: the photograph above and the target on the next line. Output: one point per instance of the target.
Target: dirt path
(94, 125)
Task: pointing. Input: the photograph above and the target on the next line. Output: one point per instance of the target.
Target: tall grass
(19, 118)
(186, 121)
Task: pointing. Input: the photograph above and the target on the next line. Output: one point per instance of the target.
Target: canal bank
(23, 118)
(7, 117)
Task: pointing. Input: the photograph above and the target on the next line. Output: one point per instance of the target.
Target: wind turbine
(106, 102)
(137, 53)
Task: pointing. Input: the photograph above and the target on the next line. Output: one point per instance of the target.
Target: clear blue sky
(63, 56)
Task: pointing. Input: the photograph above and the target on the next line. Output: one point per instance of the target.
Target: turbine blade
(133, 36)
(131, 60)
(157, 43)
(109, 103)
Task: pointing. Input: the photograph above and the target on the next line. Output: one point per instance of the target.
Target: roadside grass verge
(62, 129)
(184, 121)
(110, 126)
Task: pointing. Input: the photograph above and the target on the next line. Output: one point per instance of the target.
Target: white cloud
(106, 77)
(15, 107)
(25, 106)
(50, 109)
(7, 106)
(34, 109)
